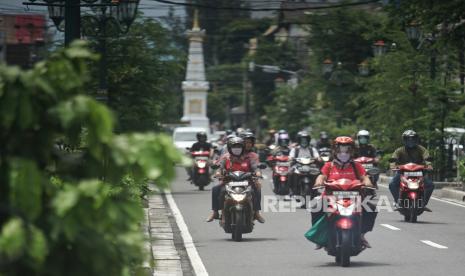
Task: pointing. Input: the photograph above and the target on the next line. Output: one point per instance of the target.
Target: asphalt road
(278, 247)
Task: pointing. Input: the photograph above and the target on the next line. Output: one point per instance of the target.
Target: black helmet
(235, 142)
(283, 139)
(247, 135)
(410, 138)
(201, 136)
(303, 139)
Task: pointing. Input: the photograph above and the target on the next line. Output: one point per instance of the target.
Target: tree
(71, 210)
(145, 70)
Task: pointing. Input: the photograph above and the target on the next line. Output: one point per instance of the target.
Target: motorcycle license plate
(239, 184)
(368, 166)
(345, 193)
(283, 164)
(413, 174)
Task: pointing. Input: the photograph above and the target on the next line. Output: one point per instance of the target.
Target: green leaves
(12, 239)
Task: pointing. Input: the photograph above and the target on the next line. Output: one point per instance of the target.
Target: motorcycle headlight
(238, 197)
(413, 185)
(201, 165)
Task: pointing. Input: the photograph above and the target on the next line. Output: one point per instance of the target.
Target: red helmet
(343, 140)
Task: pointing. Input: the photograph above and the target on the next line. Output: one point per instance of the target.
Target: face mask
(236, 151)
(343, 157)
(304, 143)
(363, 140)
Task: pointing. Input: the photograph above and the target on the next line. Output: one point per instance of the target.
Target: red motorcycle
(200, 172)
(412, 190)
(280, 165)
(345, 218)
(372, 171)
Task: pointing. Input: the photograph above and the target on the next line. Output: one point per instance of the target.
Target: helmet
(323, 135)
(235, 143)
(363, 137)
(283, 139)
(343, 148)
(410, 138)
(201, 136)
(247, 135)
(229, 132)
(282, 131)
(271, 131)
(239, 130)
(303, 139)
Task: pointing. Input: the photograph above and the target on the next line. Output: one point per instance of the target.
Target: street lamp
(413, 31)
(379, 48)
(57, 13)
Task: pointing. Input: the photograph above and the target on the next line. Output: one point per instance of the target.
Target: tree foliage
(74, 211)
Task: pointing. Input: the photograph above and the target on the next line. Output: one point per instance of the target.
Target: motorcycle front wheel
(237, 231)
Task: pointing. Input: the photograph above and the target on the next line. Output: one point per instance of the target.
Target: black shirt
(366, 151)
(201, 146)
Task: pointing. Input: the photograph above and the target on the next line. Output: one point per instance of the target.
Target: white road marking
(391, 227)
(433, 244)
(194, 257)
(433, 197)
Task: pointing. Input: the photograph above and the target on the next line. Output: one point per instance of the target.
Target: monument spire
(195, 86)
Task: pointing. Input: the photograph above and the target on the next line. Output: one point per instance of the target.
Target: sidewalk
(164, 239)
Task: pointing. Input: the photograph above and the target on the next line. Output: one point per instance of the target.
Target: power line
(331, 6)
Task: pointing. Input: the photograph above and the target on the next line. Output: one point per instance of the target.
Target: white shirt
(304, 152)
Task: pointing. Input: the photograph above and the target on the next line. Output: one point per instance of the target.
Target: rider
(200, 145)
(303, 150)
(324, 141)
(411, 152)
(235, 157)
(343, 166)
(283, 144)
(365, 149)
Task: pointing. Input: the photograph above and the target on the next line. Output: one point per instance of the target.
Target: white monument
(195, 86)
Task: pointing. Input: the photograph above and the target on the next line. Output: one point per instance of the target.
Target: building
(21, 38)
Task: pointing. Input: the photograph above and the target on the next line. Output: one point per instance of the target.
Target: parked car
(185, 137)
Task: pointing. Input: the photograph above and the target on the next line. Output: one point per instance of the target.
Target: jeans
(218, 195)
(394, 187)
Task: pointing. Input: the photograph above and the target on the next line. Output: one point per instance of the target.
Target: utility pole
(72, 21)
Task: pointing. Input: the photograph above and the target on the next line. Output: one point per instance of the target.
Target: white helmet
(363, 137)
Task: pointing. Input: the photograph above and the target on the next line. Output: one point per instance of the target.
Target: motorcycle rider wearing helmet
(343, 166)
(411, 152)
(303, 150)
(282, 147)
(324, 141)
(200, 145)
(365, 149)
(235, 158)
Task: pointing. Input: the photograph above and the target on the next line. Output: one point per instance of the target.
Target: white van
(185, 137)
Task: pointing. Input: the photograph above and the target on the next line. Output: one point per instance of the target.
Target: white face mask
(343, 156)
(236, 151)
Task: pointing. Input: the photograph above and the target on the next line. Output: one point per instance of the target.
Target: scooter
(412, 191)
(280, 167)
(325, 154)
(305, 173)
(200, 171)
(369, 164)
(345, 218)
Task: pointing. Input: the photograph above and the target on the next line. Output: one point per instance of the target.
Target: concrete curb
(442, 190)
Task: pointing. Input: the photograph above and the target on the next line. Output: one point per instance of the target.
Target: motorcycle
(369, 164)
(280, 166)
(238, 205)
(325, 154)
(412, 191)
(305, 173)
(200, 171)
(345, 218)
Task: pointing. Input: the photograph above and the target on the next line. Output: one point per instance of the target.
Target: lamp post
(379, 48)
